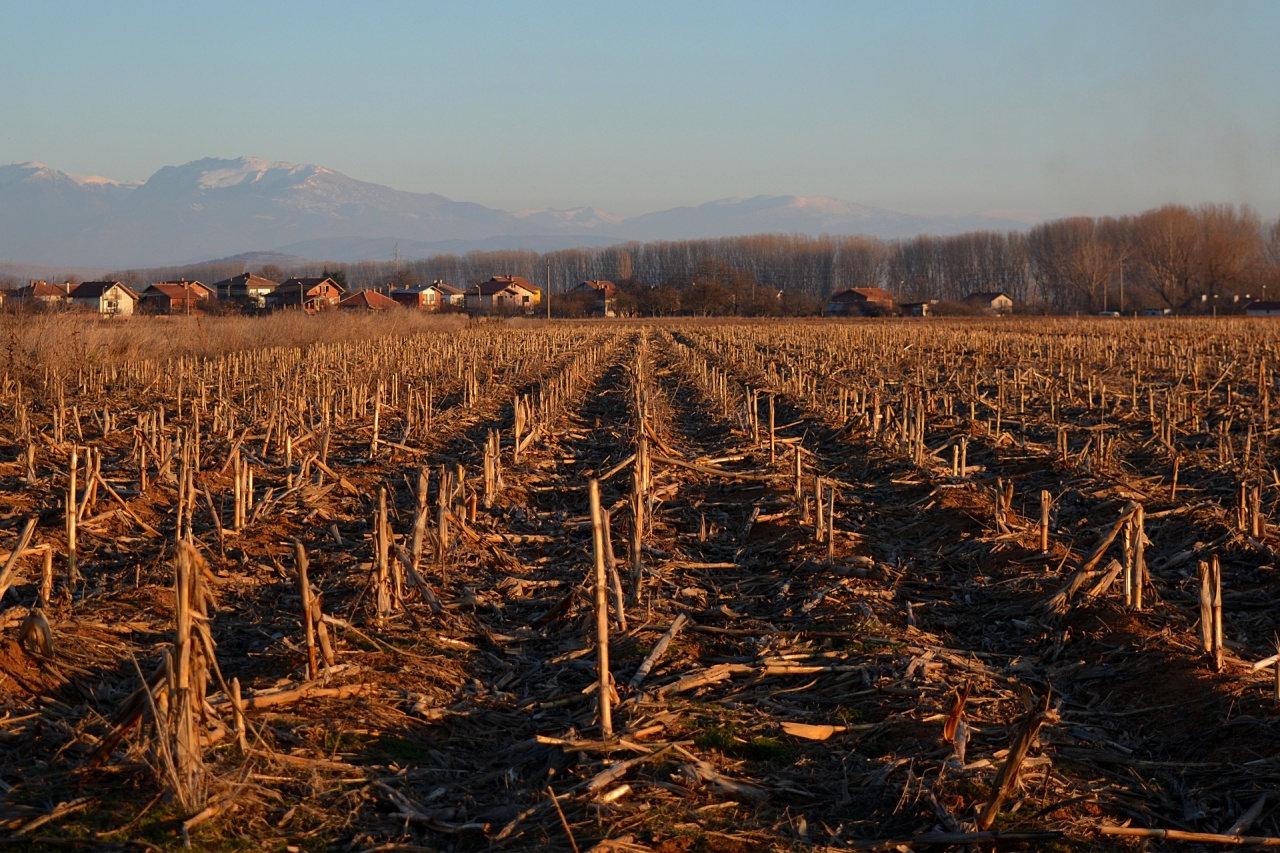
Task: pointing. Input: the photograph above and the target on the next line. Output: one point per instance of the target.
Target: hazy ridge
(215, 208)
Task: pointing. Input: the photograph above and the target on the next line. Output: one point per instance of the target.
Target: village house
(995, 301)
(43, 292)
(917, 309)
(428, 297)
(309, 294)
(454, 297)
(422, 297)
(367, 300)
(107, 298)
(198, 289)
(505, 294)
(861, 300)
(246, 289)
(1223, 302)
(175, 297)
(604, 295)
(1259, 308)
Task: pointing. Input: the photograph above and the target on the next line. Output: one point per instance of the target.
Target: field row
(668, 587)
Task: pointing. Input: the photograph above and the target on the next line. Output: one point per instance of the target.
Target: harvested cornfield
(668, 587)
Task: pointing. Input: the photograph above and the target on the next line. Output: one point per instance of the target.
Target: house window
(526, 299)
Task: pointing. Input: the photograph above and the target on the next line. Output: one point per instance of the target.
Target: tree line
(1167, 257)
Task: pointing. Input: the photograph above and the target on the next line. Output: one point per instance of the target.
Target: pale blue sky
(923, 107)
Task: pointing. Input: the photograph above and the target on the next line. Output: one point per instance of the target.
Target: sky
(922, 107)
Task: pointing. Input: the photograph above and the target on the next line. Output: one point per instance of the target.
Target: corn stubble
(621, 584)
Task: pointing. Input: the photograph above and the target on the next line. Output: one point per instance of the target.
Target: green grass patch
(675, 829)
(160, 826)
(730, 740)
(973, 790)
(850, 716)
(334, 742)
(719, 737)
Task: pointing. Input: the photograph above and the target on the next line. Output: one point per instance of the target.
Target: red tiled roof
(368, 300)
(864, 294)
(175, 290)
(41, 288)
(182, 282)
(609, 288)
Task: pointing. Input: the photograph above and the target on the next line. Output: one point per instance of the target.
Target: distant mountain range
(215, 208)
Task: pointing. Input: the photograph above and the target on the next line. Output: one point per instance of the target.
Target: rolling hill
(216, 208)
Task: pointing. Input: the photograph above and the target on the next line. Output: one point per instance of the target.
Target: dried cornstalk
(602, 611)
(637, 528)
(611, 563)
(152, 694)
(1046, 503)
(6, 574)
(1180, 835)
(304, 590)
(382, 578)
(956, 713)
(1138, 560)
(179, 735)
(46, 576)
(72, 574)
(420, 516)
(1215, 580)
(659, 648)
(831, 524)
(1061, 601)
(1019, 742)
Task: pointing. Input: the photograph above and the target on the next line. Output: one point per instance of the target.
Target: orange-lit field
(861, 585)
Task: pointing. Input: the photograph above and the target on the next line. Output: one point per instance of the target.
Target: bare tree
(1229, 248)
(1165, 250)
(1090, 268)
(1166, 257)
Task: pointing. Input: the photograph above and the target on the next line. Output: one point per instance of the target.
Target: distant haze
(609, 111)
(215, 208)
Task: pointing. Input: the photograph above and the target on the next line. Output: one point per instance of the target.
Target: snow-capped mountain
(581, 218)
(214, 208)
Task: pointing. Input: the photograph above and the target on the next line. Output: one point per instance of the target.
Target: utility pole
(1122, 285)
(548, 288)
